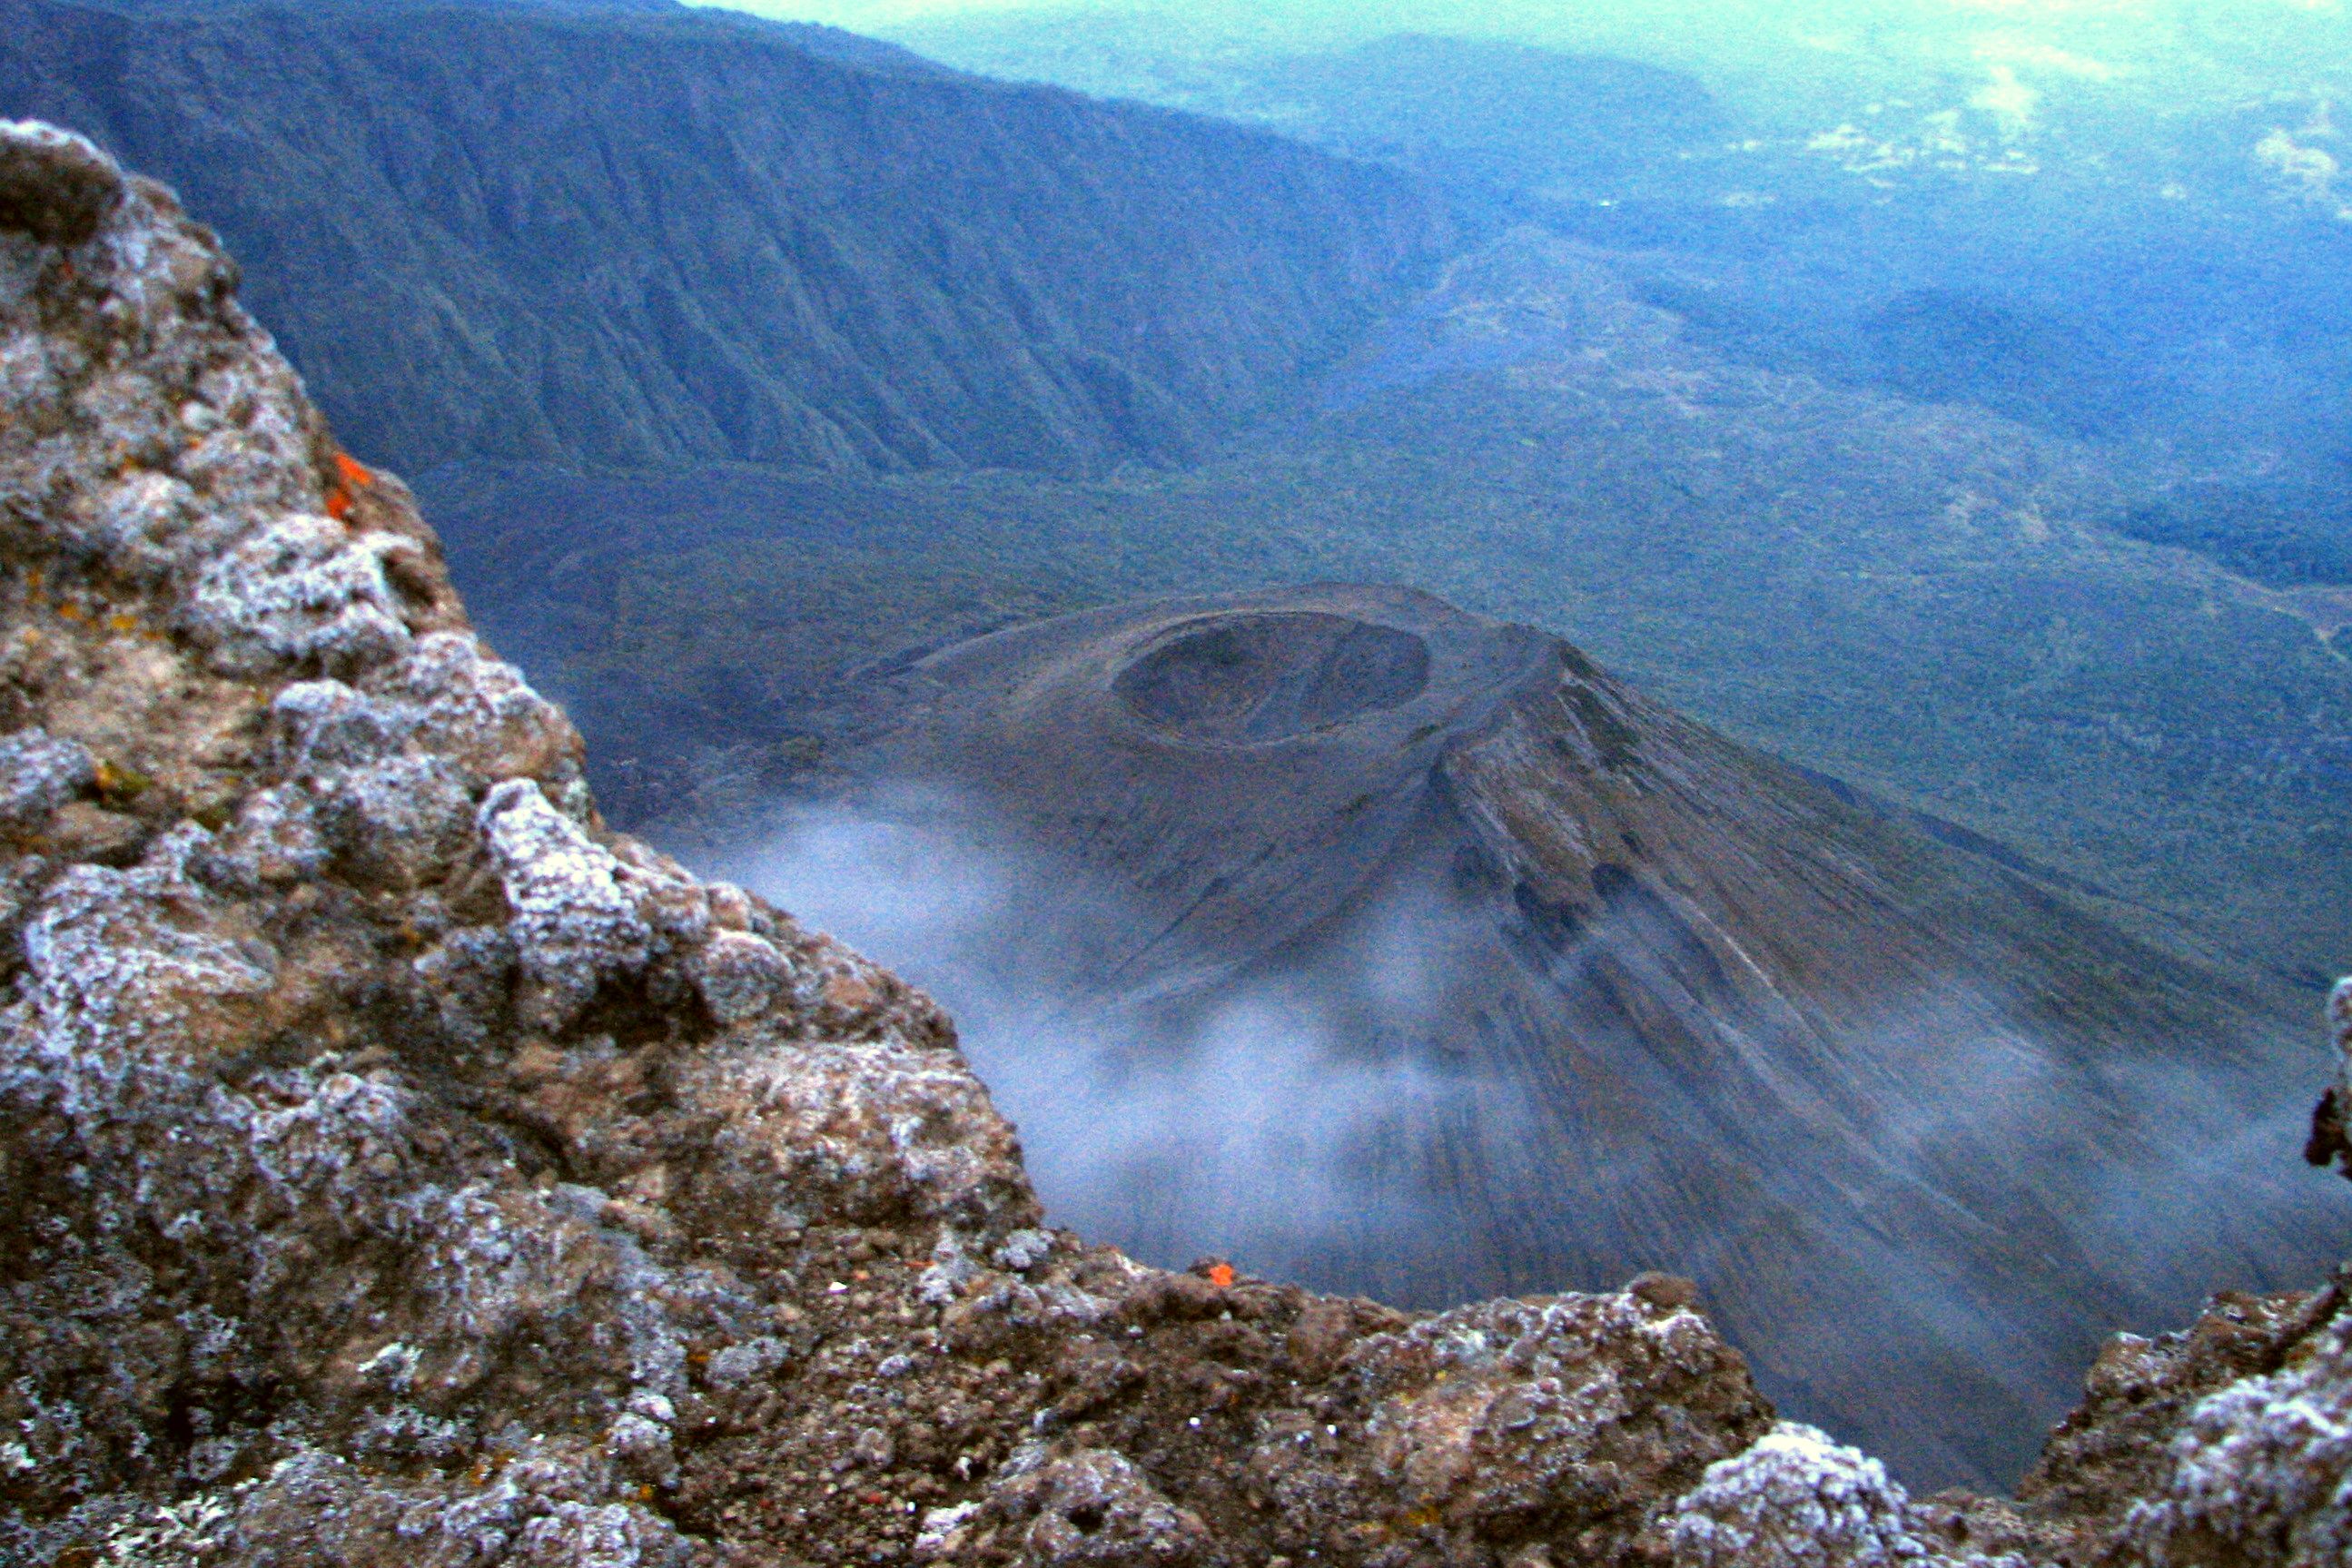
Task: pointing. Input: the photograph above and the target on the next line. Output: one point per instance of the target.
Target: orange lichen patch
(1221, 1275)
(122, 623)
(70, 611)
(351, 474)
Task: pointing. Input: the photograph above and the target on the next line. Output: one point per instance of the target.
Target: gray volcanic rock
(1628, 996)
(405, 1170)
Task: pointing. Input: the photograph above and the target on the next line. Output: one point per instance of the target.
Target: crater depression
(1260, 677)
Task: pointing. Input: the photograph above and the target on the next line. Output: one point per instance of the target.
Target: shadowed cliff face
(642, 239)
(1402, 952)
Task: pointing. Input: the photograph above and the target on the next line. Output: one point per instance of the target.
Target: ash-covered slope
(1533, 984)
(606, 238)
(402, 1169)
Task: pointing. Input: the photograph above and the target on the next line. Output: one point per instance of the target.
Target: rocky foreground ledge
(403, 1169)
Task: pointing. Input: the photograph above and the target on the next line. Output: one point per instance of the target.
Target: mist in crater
(1315, 1118)
(1390, 951)
(1175, 1106)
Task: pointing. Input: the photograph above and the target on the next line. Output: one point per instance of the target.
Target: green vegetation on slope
(2286, 537)
(644, 239)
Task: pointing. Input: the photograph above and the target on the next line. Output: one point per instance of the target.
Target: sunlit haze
(2017, 52)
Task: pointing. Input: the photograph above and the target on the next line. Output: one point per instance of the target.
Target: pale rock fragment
(326, 724)
(38, 773)
(478, 712)
(739, 1365)
(401, 822)
(274, 839)
(950, 1268)
(740, 977)
(1091, 1509)
(1797, 1498)
(1023, 1250)
(574, 925)
(939, 1528)
(301, 592)
(643, 1448)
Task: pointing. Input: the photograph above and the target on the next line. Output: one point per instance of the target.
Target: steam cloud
(1294, 1120)
(1197, 1113)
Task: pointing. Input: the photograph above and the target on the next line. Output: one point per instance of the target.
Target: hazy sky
(1542, 15)
(2224, 45)
(870, 14)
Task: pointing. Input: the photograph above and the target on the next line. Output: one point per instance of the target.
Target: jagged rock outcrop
(403, 1168)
